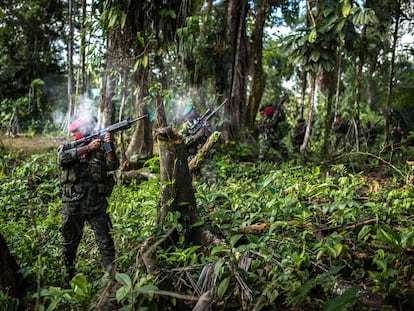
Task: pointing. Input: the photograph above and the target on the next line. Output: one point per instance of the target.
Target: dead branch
(137, 175)
(195, 162)
(408, 142)
(204, 302)
(147, 257)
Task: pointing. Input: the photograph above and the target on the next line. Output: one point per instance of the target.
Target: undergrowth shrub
(304, 237)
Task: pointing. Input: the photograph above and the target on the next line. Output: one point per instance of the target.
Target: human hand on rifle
(96, 143)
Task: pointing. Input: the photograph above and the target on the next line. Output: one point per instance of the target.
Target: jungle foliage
(294, 236)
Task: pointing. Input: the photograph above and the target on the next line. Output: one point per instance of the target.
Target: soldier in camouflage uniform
(271, 137)
(194, 141)
(86, 185)
(298, 134)
(340, 129)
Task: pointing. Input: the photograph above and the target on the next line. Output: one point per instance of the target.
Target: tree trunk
(304, 85)
(72, 111)
(9, 280)
(84, 79)
(362, 51)
(304, 145)
(177, 193)
(387, 111)
(141, 144)
(237, 54)
(258, 77)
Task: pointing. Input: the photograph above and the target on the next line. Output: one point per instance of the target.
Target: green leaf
(222, 288)
(122, 293)
(252, 238)
(346, 9)
(363, 232)
(343, 302)
(217, 267)
(235, 238)
(313, 36)
(80, 281)
(220, 249)
(124, 279)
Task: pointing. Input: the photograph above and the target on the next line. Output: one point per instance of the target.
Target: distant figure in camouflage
(195, 141)
(397, 134)
(370, 134)
(270, 134)
(86, 185)
(298, 134)
(340, 129)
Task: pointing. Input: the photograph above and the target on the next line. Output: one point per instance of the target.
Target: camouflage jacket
(269, 124)
(85, 179)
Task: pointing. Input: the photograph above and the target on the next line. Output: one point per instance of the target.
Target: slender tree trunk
(387, 111)
(257, 74)
(72, 111)
(141, 144)
(358, 79)
(304, 84)
(311, 105)
(237, 53)
(124, 96)
(84, 82)
(338, 81)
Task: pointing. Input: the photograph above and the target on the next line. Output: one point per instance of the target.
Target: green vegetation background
(289, 236)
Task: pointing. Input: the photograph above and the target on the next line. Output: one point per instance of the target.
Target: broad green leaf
(313, 36)
(315, 55)
(222, 288)
(235, 238)
(220, 250)
(124, 279)
(145, 61)
(343, 302)
(346, 9)
(81, 282)
(363, 232)
(252, 238)
(122, 293)
(217, 267)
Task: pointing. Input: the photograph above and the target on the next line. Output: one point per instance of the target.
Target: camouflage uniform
(86, 185)
(297, 135)
(194, 142)
(339, 128)
(271, 135)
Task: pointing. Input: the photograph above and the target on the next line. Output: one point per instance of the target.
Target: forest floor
(30, 144)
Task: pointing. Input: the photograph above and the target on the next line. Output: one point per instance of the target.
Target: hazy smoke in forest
(86, 109)
(181, 102)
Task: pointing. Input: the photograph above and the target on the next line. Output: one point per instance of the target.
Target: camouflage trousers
(72, 228)
(277, 144)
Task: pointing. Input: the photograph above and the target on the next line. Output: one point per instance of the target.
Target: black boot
(109, 266)
(70, 273)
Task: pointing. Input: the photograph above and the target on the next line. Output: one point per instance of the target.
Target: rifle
(116, 127)
(281, 103)
(202, 121)
(270, 110)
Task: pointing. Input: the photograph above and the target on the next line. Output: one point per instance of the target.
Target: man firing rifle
(198, 129)
(116, 127)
